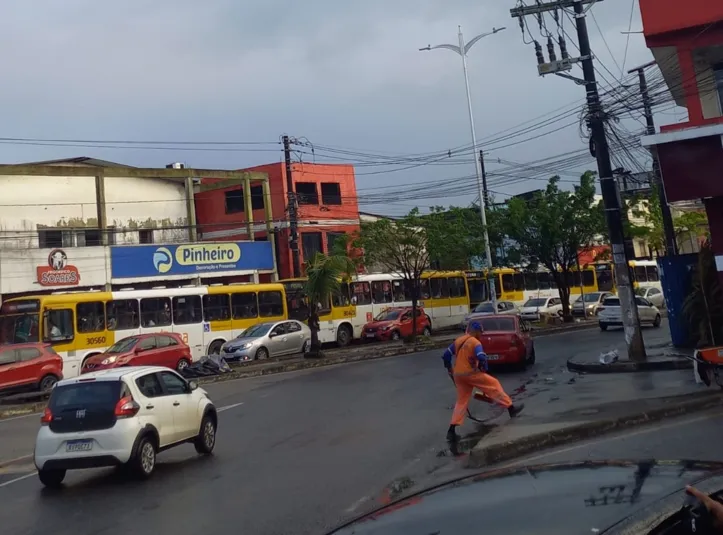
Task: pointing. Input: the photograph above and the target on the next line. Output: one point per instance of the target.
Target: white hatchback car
(610, 313)
(121, 417)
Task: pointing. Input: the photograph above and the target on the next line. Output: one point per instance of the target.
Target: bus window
(519, 282)
(398, 291)
(544, 280)
(409, 289)
(155, 312)
(530, 281)
(270, 304)
(424, 290)
(573, 279)
(640, 274)
(605, 281)
(244, 306)
(216, 307)
(122, 314)
(382, 292)
(440, 288)
(361, 293)
(91, 317)
(456, 287)
(508, 282)
(588, 277)
(477, 290)
(341, 298)
(187, 310)
(58, 325)
(652, 272)
(498, 286)
(553, 282)
(19, 323)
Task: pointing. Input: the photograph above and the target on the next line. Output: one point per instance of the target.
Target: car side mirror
(193, 385)
(273, 334)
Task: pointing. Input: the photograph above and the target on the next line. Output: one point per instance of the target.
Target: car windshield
(484, 307)
(123, 346)
(536, 303)
(611, 302)
(260, 329)
(499, 324)
(388, 315)
(592, 298)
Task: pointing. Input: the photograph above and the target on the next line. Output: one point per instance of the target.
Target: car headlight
(109, 360)
(386, 328)
(246, 345)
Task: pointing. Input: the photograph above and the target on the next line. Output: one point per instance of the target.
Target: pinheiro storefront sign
(137, 261)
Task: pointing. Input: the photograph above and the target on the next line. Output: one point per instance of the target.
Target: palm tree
(323, 280)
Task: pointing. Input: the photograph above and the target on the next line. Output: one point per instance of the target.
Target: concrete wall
(31, 203)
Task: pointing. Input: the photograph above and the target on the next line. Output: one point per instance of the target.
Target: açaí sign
(58, 272)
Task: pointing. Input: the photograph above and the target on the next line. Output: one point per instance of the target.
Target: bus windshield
(19, 322)
(477, 290)
(296, 301)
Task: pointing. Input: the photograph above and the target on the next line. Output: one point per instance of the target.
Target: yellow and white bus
(443, 295)
(83, 324)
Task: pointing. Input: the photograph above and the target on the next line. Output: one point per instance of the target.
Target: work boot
(514, 410)
(452, 435)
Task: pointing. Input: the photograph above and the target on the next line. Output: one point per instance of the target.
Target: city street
(296, 453)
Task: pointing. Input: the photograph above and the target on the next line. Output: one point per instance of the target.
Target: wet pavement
(296, 453)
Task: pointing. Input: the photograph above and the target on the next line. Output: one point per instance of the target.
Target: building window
(306, 193)
(257, 197)
(145, 236)
(330, 193)
(89, 238)
(55, 238)
(331, 238)
(311, 244)
(234, 201)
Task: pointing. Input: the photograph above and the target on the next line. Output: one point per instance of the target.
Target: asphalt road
(296, 453)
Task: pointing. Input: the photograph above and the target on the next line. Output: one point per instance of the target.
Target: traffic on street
(365, 433)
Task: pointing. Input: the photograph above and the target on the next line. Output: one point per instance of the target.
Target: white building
(52, 211)
(70, 232)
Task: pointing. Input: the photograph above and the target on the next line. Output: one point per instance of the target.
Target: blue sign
(134, 261)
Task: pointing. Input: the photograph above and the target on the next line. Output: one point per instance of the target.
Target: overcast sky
(342, 74)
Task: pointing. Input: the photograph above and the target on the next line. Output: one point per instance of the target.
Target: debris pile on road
(206, 366)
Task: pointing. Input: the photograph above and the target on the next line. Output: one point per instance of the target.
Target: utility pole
(293, 221)
(671, 247)
(485, 191)
(608, 184)
(461, 49)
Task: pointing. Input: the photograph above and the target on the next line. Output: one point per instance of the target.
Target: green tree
(454, 236)
(553, 226)
(400, 246)
(649, 210)
(324, 275)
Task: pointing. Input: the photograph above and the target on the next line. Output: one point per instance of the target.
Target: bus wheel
(343, 336)
(215, 347)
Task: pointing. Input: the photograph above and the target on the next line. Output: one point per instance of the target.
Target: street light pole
(462, 50)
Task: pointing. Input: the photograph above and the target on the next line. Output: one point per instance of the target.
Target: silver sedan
(272, 339)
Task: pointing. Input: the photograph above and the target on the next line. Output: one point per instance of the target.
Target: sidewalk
(565, 407)
(660, 357)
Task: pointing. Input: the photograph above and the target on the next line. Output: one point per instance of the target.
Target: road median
(562, 412)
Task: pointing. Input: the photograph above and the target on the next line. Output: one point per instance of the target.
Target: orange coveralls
(469, 358)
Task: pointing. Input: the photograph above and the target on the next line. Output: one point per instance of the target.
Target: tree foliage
(553, 226)
(400, 246)
(454, 236)
(324, 275)
(649, 210)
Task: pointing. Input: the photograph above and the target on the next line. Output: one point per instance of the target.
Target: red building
(686, 39)
(327, 208)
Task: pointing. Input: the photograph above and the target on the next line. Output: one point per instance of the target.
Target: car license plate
(79, 445)
(493, 357)
(369, 335)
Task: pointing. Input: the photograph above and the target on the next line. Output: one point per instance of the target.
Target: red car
(506, 340)
(395, 323)
(32, 366)
(157, 349)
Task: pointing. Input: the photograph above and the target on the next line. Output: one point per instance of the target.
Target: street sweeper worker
(466, 364)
